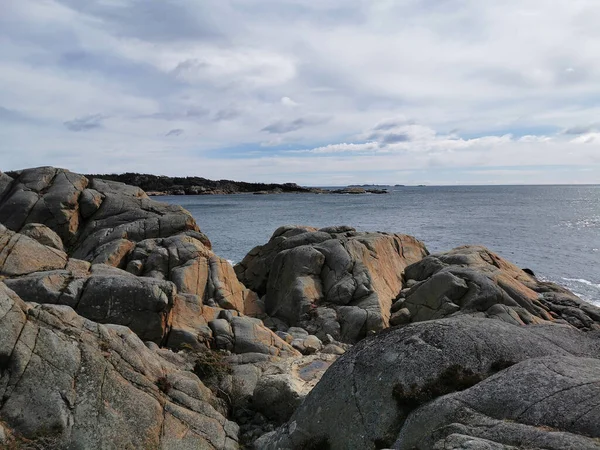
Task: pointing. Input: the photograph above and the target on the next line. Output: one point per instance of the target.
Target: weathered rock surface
(333, 281)
(389, 389)
(48, 210)
(248, 335)
(74, 383)
(266, 390)
(473, 280)
(560, 410)
(22, 255)
(43, 235)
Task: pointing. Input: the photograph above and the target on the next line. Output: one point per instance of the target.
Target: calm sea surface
(553, 230)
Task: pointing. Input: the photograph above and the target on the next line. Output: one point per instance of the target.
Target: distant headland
(158, 185)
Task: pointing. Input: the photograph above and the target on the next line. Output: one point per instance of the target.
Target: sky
(328, 92)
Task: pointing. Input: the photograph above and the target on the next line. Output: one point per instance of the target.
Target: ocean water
(553, 230)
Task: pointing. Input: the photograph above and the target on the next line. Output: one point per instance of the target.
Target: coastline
(112, 301)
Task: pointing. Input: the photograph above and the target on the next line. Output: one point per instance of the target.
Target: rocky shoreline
(120, 328)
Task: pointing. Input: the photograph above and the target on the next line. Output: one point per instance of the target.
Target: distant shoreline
(157, 186)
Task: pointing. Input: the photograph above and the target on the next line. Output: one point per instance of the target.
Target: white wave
(231, 262)
(582, 281)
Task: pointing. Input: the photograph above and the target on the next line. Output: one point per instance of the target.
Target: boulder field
(120, 328)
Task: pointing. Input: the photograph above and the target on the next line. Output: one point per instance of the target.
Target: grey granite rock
(78, 384)
(473, 280)
(368, 398)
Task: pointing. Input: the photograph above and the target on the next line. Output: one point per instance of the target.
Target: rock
(265, 391)
(298, 333)
(333, 349)
(75, 383)
(564, 397)
(473, 280)
(462, 442)
(142, 304)
(106, 223)
(312, 344)
(194, 269)
(224, 337)
(400, 317)
(398, 304)
(22, 255)
(373, 396)
(90, 202)
(43, 235)
(47, 196)
(331, 281)
(285, 336)
(276, 397)
(249, 335)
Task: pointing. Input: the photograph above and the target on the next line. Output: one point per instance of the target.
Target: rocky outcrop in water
(333, 281)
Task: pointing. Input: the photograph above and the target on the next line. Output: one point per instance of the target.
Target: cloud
(462, 83)
(286, 101)
(85, 123)
(281, 127)
(9, 115)
(175, 132)
(226, 114)
(579, 130)
(394, 138)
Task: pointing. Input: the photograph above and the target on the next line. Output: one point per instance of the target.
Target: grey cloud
(579, 130)
(226, 114)
(197, 112)
(154, 20)
(390, 124)
(282, 127)
(189, 66)
(394, 138)
(10, 115)
(85, 123)
(191, 113)
(175, 132)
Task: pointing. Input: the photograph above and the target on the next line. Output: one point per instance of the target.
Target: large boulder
(67, 382)
(380, 393)
(560, 410)
(105, 295)
(333, 281)
(473, 280)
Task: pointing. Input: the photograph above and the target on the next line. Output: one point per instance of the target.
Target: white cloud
(286, 101)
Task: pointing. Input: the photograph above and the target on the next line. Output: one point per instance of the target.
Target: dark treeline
(194, 185)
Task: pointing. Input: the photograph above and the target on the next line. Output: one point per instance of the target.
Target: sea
(552, 230)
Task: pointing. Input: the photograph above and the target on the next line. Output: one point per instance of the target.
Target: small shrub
(211, 367)
(164, 384)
